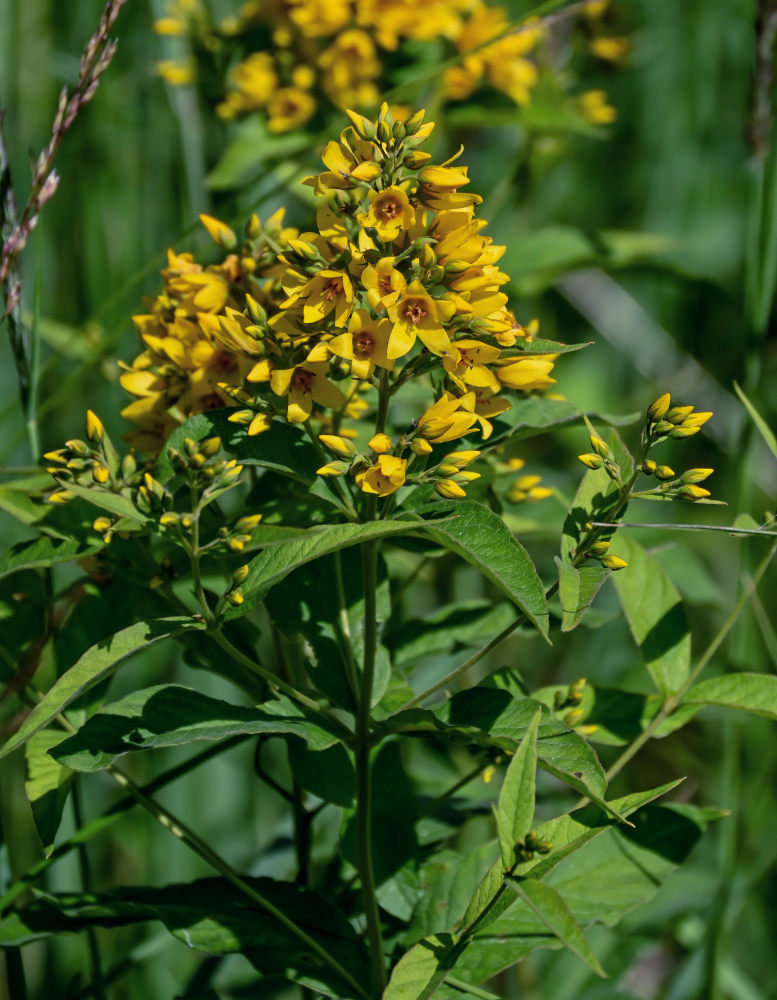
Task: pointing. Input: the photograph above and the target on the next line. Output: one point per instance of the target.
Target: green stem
(276, 682)
(672, 701)
(345, 631)
(108, 818)
(363, 777)
(204, 851)
(475, 658)
(85, 872)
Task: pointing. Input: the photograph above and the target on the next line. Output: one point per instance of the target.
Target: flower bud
(169, 518)
(260, 423)
(678, 413)
(614, 562)
(337, 444)
(590, 460)
(333, 469)
(240, 574)
(663, 472)
(599, 446)
(235, 597)
(461, 459)
(101, 524)
(659, 407)
(648, 467)
(599, 548)
(691, 492)
(219, 232)
(696, 475)
(210, 446)
(101, 474)
(450, 490)
(380, 443)
(420, 446)
(94, 426)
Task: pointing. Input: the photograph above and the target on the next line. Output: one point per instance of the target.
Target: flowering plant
(319, 416)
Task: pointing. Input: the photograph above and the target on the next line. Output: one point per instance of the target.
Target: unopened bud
(235, 597)
(614, 562)
(333, 469)
(599, 446)
(659, 407)
(691, 492)
(591, 460)
(663, 472)
(380, 443)
(450, 490)
(696, 475)
(94, 426)
(240, 574)
(337, 444)
(420, 446)
(678, 413)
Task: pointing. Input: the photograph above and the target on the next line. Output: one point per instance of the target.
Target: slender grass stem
(198, 846)
(672, 702)
(108, 818)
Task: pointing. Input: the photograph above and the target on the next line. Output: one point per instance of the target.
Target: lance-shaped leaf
(578, 586)
(550, 907)
(749, 692)
(421, 970)
(47, 785)
(655, 613)
(480, 536)
(212, 916)
(276, 562)
(97, 663)
(515, 809)
(171, 715)
(43, 552)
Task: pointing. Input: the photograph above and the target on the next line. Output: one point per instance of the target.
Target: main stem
(362, 736)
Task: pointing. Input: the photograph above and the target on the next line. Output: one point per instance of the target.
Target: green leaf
(515, 809)
(250, 147)
(655, 613)
(328, 774)
(97, 663)
(276, 562)
(421, 970)
(170, 715)
(749, 692)
(537, 414)
(451, 880)
(550, 907)
(212, 916)
(467, 623)
(613, 871)
(114, 503)
(765, 430)
(596, 495)
(578, 586)
(479, 536)
(499, 719)
(283, 448)
(47, 785)
(43, 552)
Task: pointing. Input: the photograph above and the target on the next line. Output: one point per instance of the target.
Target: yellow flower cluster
(300, 52)
(397, 283)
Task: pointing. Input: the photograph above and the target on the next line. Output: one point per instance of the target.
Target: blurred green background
(653, 241)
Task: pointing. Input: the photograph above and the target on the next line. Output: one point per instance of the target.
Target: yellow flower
(305, 384)
(471, 369)
(593, 106)
(384, 283)
(364, 345)
(288, 108)
(610, 49)
(383, 478)
(528, 373)
(177, 72)
(449, 418)
(390, 213)
(219, 232)
(351, 159)
(349, 67)
(438, 188)
(316, 18)
(328, 292)
(418, 315)
(380, 443)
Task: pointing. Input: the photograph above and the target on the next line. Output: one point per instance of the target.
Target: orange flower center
(388, 208)
(332, 289)
(414, 310)
(363, 343)
(303, 381)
